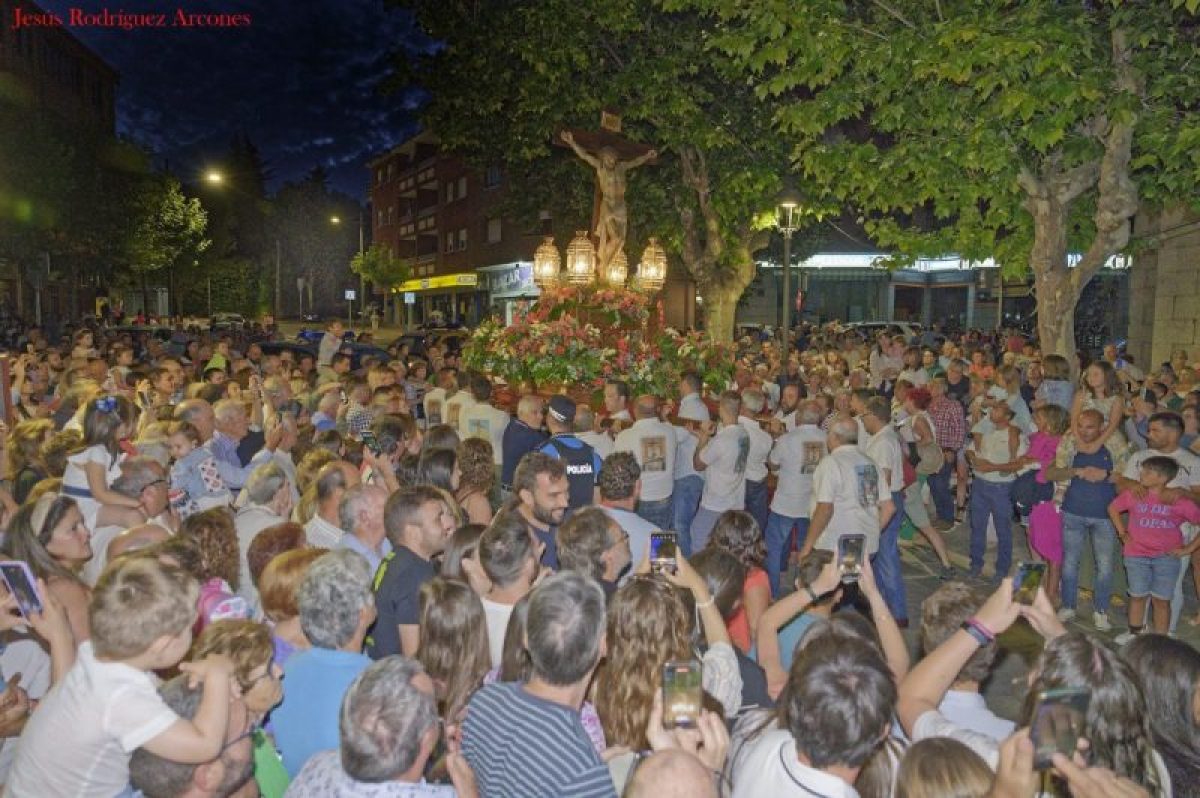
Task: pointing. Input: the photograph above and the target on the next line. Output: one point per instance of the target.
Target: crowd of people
(283, 574)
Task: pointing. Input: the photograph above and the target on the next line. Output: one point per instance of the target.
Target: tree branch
(938, 5)
(1117, 199)
(896, 14)
(1029, 182)
(1071, 184)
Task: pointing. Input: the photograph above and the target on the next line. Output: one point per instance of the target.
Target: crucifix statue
(612, 156)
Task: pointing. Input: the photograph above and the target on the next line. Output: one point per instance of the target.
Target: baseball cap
(562, 408)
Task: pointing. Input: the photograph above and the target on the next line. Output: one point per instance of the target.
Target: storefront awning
(442, 282)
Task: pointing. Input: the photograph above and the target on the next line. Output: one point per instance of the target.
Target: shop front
(508, 285)
(448, 299)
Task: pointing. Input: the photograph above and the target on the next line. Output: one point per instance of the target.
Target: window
(449, 242)
(494, 231)
(450, 192)
(462, 239)
(492, 177)
(391, 168)
(381, 218)
(379, 176)
(391, 213)
(462, 187)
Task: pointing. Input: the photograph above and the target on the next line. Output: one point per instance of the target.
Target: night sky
(302, 80)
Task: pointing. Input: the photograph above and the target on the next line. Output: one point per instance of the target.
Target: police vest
(580, 460)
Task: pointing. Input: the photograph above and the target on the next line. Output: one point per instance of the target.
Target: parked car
(226, 321)
(419, 341)
(870, 330)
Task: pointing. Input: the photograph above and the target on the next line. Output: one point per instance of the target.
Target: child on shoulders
(80, 738)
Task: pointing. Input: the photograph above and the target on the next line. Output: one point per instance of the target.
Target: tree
(551, 64)
(170, 233)
(1024, 130)
(313, 245)
(382, 268)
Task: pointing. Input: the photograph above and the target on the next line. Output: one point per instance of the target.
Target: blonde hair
(281, 580)
(1057, 419)
(24, 445)
(247, 643)
(648, 626)
(940, 767)
(137, 601)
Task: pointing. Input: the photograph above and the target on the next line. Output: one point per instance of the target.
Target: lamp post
(788, 220)
(216, 178)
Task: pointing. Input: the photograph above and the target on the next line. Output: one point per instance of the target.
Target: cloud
(302, 80)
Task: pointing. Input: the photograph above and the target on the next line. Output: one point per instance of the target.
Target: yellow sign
(469, 280)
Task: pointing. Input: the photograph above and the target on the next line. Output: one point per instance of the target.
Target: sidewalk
(1021, 645)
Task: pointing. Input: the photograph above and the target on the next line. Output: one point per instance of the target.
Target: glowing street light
(214, 177)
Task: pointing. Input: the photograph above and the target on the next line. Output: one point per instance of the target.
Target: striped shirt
(519, 744)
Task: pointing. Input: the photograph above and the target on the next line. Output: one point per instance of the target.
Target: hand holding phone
(664, 547)
(683, 693)
(1058, 722)
(1028, 579)
(22, 584)
(851, 549)
(371, 442)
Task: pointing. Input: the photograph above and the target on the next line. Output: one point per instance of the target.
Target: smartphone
(1027, 581)
(371, 442)
(663, 548)
(1058, 723)
(21, 583)
(683, 693)
(850, 553)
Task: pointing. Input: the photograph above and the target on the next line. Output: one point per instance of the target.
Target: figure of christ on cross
(612, 215)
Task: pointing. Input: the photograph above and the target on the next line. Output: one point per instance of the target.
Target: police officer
(581, 460)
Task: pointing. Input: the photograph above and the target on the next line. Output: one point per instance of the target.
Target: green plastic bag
(269, 772)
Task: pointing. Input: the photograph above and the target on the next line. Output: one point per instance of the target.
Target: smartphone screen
(370, 441)
(20, 582)
(850, 554)
(663, 548)
(1027, 581)
(1058, 723)
(683, 693)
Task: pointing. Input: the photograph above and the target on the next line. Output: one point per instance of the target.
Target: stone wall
(1164, 295)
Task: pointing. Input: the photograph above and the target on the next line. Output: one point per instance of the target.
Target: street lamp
(214, 177)
(546, 263)
(788, 221)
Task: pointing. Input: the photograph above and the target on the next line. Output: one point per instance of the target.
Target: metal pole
(1000, 305)
(787, 293)
(278, 299)
(210, 297)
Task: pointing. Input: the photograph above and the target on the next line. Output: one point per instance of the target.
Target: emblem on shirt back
(868, 485)
(813, 452)
(654, 453)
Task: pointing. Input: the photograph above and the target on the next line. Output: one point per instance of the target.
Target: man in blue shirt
(521, 437)
(336, 609)
(1087, 462)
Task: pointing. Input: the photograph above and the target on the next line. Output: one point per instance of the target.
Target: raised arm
(569, 139)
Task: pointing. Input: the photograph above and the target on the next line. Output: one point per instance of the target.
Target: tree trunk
(145, 296)
(720, 309)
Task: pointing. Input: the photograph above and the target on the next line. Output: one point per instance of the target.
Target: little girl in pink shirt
(1045, 519)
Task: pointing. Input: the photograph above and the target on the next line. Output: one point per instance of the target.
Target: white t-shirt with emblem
(487, 423)
(652, 443)
(852, 483)
(725, 458)
(797, 455)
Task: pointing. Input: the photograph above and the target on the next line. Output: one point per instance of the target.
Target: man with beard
(541, 495)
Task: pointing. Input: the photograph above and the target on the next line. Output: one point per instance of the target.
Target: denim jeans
(995, 500)
(886, 563)
(703, 524)
(778, 536)
(1076, 529)
(939, 491)
(685, 501)
(660, 513)
(757, 503)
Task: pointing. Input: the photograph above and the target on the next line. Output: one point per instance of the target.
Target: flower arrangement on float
(577, 336)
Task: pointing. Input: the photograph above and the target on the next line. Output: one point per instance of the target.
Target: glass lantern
(581, 259)
(652, 271)
(618, 270)
(546, 263)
